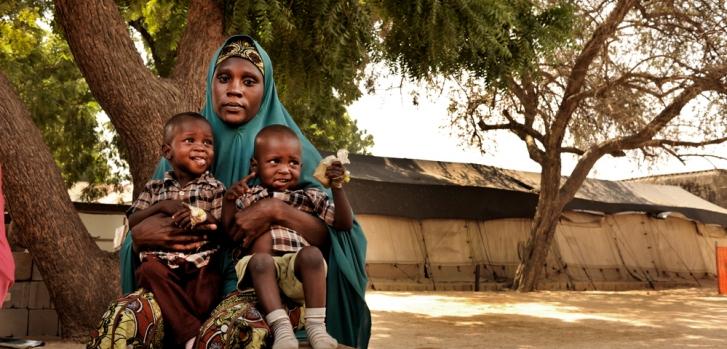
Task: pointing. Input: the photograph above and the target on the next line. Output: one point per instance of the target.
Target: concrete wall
(29, 311)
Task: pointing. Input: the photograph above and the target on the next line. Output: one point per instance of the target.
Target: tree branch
(704, 156)
(522, 129)
(100, 43)
(527, 134)
(126, 89)
(572, 150)
(528, 99)
(673, 143)
(203, 34)
(589, 158)
(580, 70)
(674, 154)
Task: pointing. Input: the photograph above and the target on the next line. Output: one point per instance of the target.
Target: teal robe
(348, 316)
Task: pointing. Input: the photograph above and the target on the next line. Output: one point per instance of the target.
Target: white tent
(434, 225)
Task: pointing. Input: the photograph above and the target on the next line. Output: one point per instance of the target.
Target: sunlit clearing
(438, 306)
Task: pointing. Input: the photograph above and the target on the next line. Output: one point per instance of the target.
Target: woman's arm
(310, 227)
(158, 232)
(256, 219)
(229, 208)
(153, 232)
(168, 207)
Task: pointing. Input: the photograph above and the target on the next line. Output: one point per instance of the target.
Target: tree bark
(81, 278)
(542, 231)
(136, 101)
(203, 34)
(552, 198)
(75, 270)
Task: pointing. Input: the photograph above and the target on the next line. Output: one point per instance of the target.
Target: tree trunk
(542, 232)
(81, 278)
(76, 272)
(137, 102)
(536, 250)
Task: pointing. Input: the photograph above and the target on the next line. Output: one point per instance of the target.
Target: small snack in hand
(320, 171)
(197, 215)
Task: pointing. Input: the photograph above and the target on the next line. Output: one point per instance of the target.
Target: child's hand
(190, 217)
(182, 218)
(337, 174)
(239, 188)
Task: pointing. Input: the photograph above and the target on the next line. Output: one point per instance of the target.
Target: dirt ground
(678, 318)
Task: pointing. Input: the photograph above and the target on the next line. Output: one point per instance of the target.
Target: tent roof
(467, 190)
(435, 189)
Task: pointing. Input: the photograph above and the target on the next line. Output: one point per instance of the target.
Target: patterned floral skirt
(135, 321)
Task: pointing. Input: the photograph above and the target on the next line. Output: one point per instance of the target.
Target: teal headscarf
(348, 316)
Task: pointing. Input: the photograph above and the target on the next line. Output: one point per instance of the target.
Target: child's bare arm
(229, 207)
(228, 210)
(168, 207)
(343, 217)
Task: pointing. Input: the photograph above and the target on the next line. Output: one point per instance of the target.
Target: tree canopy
(646, 76)
(489, 40)
(319, 52)
(39, 64)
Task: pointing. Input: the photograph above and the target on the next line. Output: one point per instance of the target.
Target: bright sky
(404, 130)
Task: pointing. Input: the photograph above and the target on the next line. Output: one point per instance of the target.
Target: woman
(240, 100)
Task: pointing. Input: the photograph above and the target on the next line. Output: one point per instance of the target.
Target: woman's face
(237, 91)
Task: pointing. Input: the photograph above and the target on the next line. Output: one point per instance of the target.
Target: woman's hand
(256, 220)
(158, 232)
(171, 207)
(252, 221)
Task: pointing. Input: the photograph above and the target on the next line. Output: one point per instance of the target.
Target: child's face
(191, 151)
(278, 162)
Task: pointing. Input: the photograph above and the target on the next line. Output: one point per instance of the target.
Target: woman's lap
(135, 320)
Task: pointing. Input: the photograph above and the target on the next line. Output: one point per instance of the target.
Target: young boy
(281, 257)
(184, 284)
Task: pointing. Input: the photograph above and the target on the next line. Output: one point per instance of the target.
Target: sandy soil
(681, 318)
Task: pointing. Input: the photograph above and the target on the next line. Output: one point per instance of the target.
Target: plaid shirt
(310, 200)
(204, 192)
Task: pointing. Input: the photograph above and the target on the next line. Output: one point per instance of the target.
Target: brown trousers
(186, 295)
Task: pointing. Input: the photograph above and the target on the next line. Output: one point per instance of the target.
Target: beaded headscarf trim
(242, 49)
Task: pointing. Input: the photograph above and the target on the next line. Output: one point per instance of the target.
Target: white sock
(315, 327)
(283, 335)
